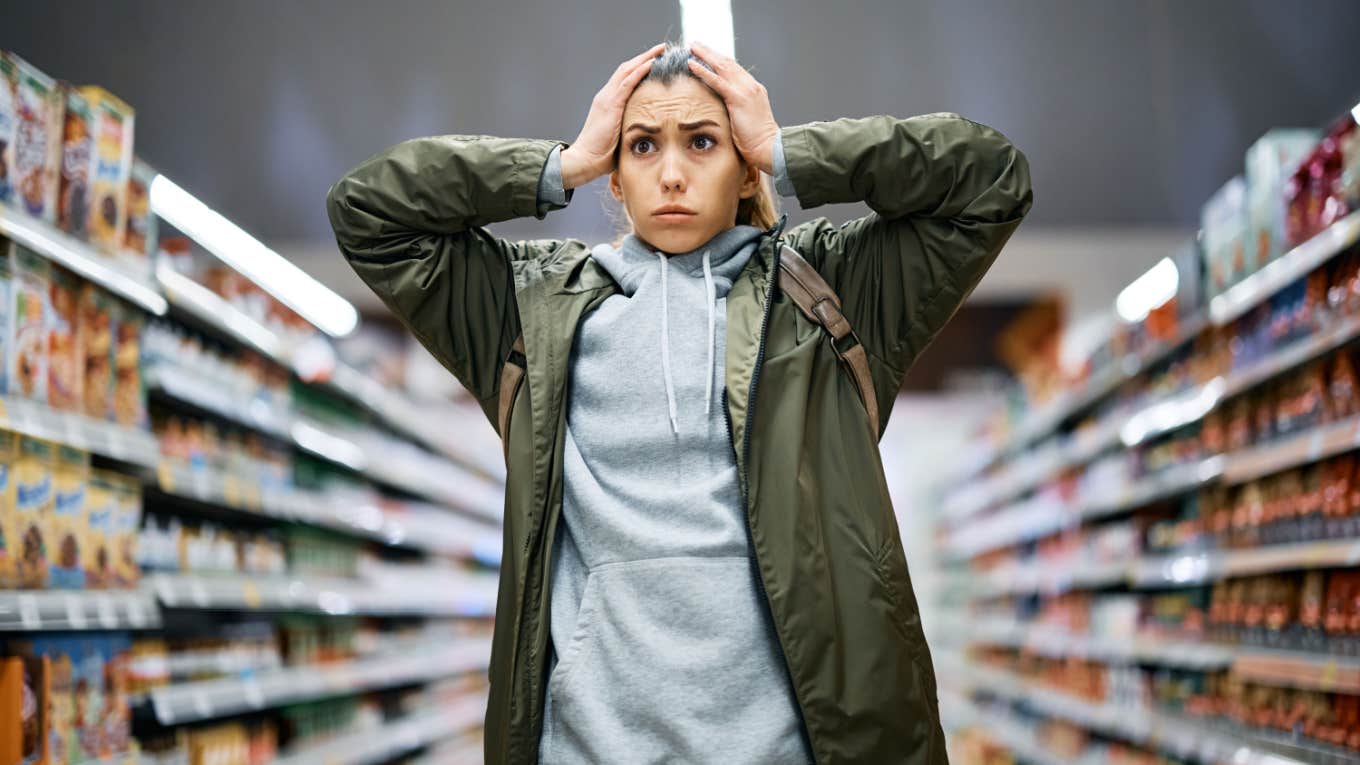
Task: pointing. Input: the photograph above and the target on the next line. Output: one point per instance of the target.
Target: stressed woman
(701, 560)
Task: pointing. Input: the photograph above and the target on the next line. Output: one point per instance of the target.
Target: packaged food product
(24, 698)
(33, 468)
(1270, 162)
(1223, 221)
(6, 311)
(37, 141)
(128, 494)
(101, 513)
(129, 396)
(9, 119)
(94, 340)
(112, 167)
(10, 533)
(28, 315)
(139, 242)
(65, 362)
(77, 165)
(68, 529)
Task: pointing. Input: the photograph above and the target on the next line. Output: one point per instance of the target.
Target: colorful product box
(24, 700)
(1223, 223)
(9, 517)
(33, 505)
(128, 495)
(77, 165)
(139, 242)
(28, 315)
(65, 362)
(9, 121)
(6, 311)
(37, 142)
(112, 167)
(129, 396)
(102, 516)
(1270, 162)
(94, 341)
(68, 527)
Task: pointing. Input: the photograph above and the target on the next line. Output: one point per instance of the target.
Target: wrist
(575, 172)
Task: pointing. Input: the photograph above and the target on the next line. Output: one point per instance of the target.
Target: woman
(701, 561)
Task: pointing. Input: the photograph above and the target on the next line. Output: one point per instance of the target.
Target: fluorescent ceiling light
(1148, 291)
(311, 299)
(709, 22)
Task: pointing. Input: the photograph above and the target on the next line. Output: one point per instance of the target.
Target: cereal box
(32, 506)
(37, 142)
(9, 519)
(24, 698)
(77, 165)
(101, 513)
(6, 325)
(139, 242)
(129, 397)
(65, 362)
(9, 119)
(94, 340)
(128, 494)
(28, 317)
(67, 529)
(112, 166)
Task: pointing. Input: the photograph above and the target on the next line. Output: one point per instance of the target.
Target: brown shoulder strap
(512, 374)
(820, 304)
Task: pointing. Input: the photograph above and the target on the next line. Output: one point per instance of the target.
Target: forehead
(684, 100)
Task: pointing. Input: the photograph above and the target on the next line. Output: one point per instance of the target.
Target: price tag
(254, 695)
(75, 612)
(28, 612)
(199, 593)
(250, 592)
(136, 614)
(202, 707)
(107, 610)
(165, 476)
(1315, 445)
(1328, 676)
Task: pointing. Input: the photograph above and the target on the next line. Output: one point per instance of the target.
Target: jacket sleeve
(410, 219)
(945, 193)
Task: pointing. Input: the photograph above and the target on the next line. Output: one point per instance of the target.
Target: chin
(675, 239)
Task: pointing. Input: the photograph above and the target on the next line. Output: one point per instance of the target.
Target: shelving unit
(1030, 489)
(392, 739)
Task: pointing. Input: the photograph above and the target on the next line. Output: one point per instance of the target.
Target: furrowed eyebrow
(683, 126)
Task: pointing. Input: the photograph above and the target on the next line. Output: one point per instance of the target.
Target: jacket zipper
(746, 456)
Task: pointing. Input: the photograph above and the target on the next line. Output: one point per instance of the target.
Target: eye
(639, 142)
(704, 137)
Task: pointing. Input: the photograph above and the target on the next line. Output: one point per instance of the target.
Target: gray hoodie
(663, 648)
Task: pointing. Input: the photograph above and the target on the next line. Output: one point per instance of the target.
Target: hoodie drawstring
(666, 346)
(712, 299)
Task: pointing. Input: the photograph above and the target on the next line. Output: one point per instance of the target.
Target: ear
(615, 189)
(750, 180)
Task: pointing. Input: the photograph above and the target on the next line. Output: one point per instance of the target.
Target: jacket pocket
(674, 660)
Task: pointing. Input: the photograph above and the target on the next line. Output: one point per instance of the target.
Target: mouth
(673, 213)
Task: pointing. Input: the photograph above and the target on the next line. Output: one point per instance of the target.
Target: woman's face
(676, 150)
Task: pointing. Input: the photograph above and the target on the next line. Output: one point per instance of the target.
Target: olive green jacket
(946, 193)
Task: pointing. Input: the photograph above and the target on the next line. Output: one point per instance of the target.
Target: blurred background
(1134, 531)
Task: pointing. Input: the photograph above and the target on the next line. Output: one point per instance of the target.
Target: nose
(672, 175)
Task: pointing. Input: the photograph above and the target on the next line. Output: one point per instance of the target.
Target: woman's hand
(754, 130)
(592, 153)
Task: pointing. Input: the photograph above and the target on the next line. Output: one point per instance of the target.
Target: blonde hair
(760, 209)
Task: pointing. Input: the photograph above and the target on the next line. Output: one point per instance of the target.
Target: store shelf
(45, 610)
(1163, 484)
(1285, 270)
(1056, 643)
(470, 597)
(108, 439)
(208, 699)
(1290, 451)
(209, 395)
(1196, 568)
(395, 738)
(1323, 673)
(76, 256)
(1180, 735)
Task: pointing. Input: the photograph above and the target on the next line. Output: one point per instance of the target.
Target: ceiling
(1131, 113)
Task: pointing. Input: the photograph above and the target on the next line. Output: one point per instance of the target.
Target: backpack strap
(809, 291)
(512, 374)
(820, 304)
